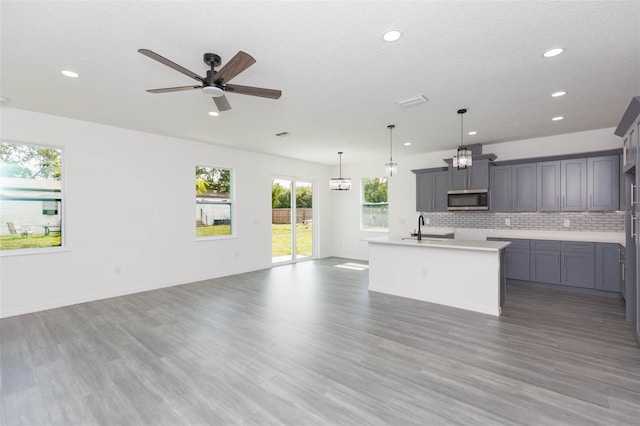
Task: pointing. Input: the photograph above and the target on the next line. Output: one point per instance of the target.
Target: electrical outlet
(507, 222)
(427, 220)
(567, 223)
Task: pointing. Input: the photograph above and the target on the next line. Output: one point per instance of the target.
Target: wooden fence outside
(282, 216)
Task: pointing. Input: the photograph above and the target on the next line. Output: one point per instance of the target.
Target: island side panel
(466, 279)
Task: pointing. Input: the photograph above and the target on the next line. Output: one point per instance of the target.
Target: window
(374, 204)
(30, 196)
(213, 202)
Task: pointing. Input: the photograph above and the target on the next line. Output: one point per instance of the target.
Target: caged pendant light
(463, 157)
(340, 183)
(391, 168)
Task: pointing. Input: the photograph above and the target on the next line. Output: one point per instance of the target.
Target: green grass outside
(213, 230)
(18, 242)
(281, 240)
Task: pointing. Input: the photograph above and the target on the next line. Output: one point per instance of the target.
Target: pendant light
(391, 168)
(463, 157)
(340, 183)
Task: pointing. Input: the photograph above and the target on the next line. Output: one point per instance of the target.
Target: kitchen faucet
(420, 220)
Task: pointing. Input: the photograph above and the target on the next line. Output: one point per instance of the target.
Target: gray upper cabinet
(562, 185)
(573, 184)
(548, 184)
(513, 188)
(431, 190)
(603, 182)
(474, 177)
(500, 193)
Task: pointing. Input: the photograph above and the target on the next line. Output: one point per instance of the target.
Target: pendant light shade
(463, 157)
(391, 168)
(340, 183)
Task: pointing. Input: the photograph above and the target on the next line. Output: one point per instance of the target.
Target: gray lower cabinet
(516, 259)
(563, 262)
(568, 263)
(578, 264)
(609, 264)
(431, 190)
(545, 261)
(603, 177)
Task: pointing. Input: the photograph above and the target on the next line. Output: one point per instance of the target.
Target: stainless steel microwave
(468, 199)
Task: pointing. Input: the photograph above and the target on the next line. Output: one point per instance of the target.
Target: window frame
(230, 201)
(363, 204)
(62, 209)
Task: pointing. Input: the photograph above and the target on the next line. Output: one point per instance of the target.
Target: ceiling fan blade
(240, 62)
(173, 89)
(253, 91)
(222, 103)
(170, 64)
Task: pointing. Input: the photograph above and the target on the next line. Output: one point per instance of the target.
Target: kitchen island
(464, 274)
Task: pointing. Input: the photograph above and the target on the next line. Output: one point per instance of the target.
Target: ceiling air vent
(415, 100)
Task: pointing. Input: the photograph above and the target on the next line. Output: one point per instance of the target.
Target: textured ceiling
(339, 80)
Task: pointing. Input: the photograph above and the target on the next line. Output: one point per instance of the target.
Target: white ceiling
(339, 80)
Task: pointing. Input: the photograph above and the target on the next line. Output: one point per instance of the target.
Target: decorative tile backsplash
(578, 221)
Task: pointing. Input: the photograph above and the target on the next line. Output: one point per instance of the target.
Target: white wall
(129, 204)
(346, 235)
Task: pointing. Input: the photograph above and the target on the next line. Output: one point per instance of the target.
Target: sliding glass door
(292, 213)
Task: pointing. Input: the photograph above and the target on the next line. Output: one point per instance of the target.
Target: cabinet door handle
(564, 201)
(624, 151)
(633, 226)
(623, 272)
(633, 192)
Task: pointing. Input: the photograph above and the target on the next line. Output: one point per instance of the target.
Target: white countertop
(596, 237)
(442, 243)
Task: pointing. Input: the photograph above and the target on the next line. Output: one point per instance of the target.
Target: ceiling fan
(215, 84)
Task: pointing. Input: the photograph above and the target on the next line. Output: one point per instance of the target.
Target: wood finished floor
(307, 344)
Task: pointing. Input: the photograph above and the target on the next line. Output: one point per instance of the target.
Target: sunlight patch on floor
(355, 266)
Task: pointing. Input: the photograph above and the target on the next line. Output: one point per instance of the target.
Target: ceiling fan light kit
(216, 83)
(214, 91)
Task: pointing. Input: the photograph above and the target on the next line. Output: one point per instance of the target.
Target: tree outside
(374, 204)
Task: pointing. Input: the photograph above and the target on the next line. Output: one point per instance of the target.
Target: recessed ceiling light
(558, 94)
(214, 113)
(391, 35)
(553, 52)
(71, 74)
(558, 118)
(407, 144)
(473, 132)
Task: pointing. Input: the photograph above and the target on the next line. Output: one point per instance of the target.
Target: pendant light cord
(391, 127)
(462, 112)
